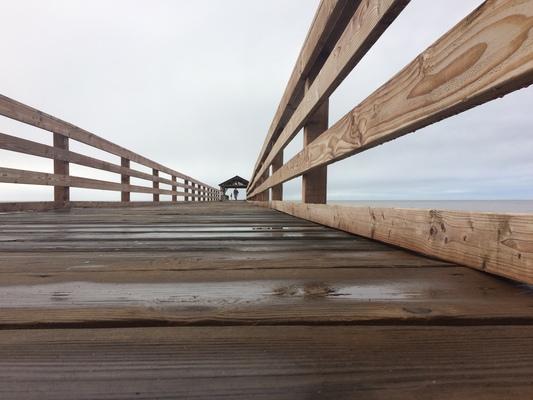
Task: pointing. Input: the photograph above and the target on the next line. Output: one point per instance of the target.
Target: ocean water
(499, 206)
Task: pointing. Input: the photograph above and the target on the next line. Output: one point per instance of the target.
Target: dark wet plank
(491, 362)
(265, 296)
(380, 322)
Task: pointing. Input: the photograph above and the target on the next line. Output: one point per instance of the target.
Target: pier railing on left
(180, 185)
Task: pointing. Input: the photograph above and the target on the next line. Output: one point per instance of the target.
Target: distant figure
(230, 196)
(235, 193)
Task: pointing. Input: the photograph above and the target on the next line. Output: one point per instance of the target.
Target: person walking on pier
(235, 194)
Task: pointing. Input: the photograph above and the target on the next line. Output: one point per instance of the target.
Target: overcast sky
(194, 85)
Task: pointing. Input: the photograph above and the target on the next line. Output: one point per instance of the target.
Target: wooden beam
(501, 244)
(61, 193)
(174, 197)
(20, 112)
(155, 185)
(328, 16)
(186, 198)
(366, 25)
(13, 143)
(124, 179)
(484, 57)
(315, 181)
(277, 191)
(10, 175)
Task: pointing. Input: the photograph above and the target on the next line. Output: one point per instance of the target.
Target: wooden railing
(487, 55)
(190, 188)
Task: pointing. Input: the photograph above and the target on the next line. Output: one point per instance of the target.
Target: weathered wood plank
(19, 145)
(61, 193)
(485, 56)
(268, 363)
(330, 14)
(127, 266)
(393, 296)
(367, 24)
(315, 182)
(10, 175)
(501, 244)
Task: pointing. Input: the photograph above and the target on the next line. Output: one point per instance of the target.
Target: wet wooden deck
(232, 301)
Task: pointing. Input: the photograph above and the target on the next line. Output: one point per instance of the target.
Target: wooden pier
(189, 296)
(233, 300)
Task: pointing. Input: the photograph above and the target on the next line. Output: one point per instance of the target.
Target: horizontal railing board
(51, 205)
(18, 111)
(19, 145)
(367, 24)
(326, 18)
(10, 175)
(485, 56)
(501, 244)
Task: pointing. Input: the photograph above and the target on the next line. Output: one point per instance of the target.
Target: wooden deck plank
(231, 300)
(432, 295)
(227, 264)
(294, 363)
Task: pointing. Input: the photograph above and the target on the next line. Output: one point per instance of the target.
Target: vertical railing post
(174, 188)
(186, 198)
(125, 180)
(61, 193)
(277, 163)
(265, 196)
(314, 182)
(155, 185)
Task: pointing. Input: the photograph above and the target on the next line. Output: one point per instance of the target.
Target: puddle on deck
(235, 293)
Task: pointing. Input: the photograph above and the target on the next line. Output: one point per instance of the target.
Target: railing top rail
(485, 56)
(321, 37)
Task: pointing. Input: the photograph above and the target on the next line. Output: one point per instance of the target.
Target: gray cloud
(195, 84)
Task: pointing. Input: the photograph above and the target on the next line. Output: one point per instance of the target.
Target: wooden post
(314, 182)
(155, 185)
(61, 193)
(174, 188)
(186, 198)
(265, 196)
(277, 191)
(124, 179)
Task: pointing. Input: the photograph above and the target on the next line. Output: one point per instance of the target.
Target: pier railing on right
(485, 56)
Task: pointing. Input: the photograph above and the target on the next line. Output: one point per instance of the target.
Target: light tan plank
(367, 24)
(487, 55)
(325, 21)
(501, 244)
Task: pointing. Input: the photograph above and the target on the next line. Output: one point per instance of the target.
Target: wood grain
(295, 363)
(61, 193)
(10, 175)
(331, 16)
(487, 55)
(501, 244)
(370, 20)
(19, 145)
(231, 297)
